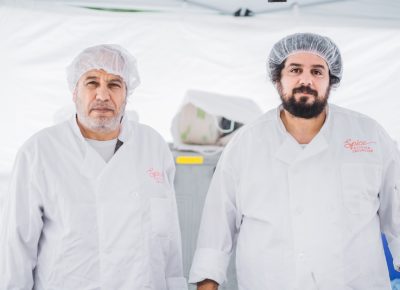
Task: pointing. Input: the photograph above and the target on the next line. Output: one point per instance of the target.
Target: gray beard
(99, 124)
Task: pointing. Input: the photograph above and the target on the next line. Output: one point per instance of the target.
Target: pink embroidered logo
(156, 175)
(359, 145)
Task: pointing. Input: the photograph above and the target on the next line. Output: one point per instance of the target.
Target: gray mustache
(102, 106)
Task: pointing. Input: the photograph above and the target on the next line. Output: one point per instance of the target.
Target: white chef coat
(304, 219)
(73, 221)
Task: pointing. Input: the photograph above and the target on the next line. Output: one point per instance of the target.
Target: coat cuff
(209, 264)
(394, 247)
(176, 283)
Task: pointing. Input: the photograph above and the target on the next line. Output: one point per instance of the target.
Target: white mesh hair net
(306, 42)
(112, 58)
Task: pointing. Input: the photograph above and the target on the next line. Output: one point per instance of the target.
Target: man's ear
(75, 95)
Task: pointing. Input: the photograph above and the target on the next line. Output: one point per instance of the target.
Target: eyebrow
(115, 80)
(318, 66)
(313, 66)
(91, 78)
(110, 81)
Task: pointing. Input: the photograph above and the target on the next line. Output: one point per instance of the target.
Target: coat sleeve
(389, 211)
(21, 226)
(218, 228)
(174, 268)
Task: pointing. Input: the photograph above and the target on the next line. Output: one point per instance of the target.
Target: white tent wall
(185, 49)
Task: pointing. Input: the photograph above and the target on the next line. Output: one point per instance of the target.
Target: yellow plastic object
(189, 160)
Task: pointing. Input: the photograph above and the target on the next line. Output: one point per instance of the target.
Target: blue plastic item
(389, 260)
(396, 284)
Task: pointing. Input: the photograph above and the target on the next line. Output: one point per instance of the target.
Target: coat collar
(93, 164)
(290, 151)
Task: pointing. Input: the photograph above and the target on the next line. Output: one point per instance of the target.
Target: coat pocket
(360, 187)
(161, 216)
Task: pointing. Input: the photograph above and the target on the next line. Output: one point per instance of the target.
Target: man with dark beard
(304, 192)
(91, 203)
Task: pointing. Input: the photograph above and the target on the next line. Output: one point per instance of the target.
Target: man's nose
(102, 93)
(306, 79)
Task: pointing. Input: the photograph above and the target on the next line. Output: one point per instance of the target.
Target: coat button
(298, 210)
(135, 194)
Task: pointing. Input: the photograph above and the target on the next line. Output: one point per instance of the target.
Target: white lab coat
(73, 221)
(304, 219)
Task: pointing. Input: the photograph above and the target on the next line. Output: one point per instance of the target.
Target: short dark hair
(275, 72)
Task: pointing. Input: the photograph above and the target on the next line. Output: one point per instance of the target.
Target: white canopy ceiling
(368, 9)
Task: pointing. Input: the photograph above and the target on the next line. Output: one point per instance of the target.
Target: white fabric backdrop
(177, 51)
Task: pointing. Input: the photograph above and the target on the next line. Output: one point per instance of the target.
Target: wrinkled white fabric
(304, 219)
(73, 221)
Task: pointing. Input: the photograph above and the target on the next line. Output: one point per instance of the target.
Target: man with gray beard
(91, 203)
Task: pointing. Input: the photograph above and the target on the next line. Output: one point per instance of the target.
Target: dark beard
(300, 108)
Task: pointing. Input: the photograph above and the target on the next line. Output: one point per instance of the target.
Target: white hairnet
(112, 58)
(306, 42)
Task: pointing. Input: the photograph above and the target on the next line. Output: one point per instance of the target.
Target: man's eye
(114, 85)
(317, 72)
(92, 83)
(295, 70)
